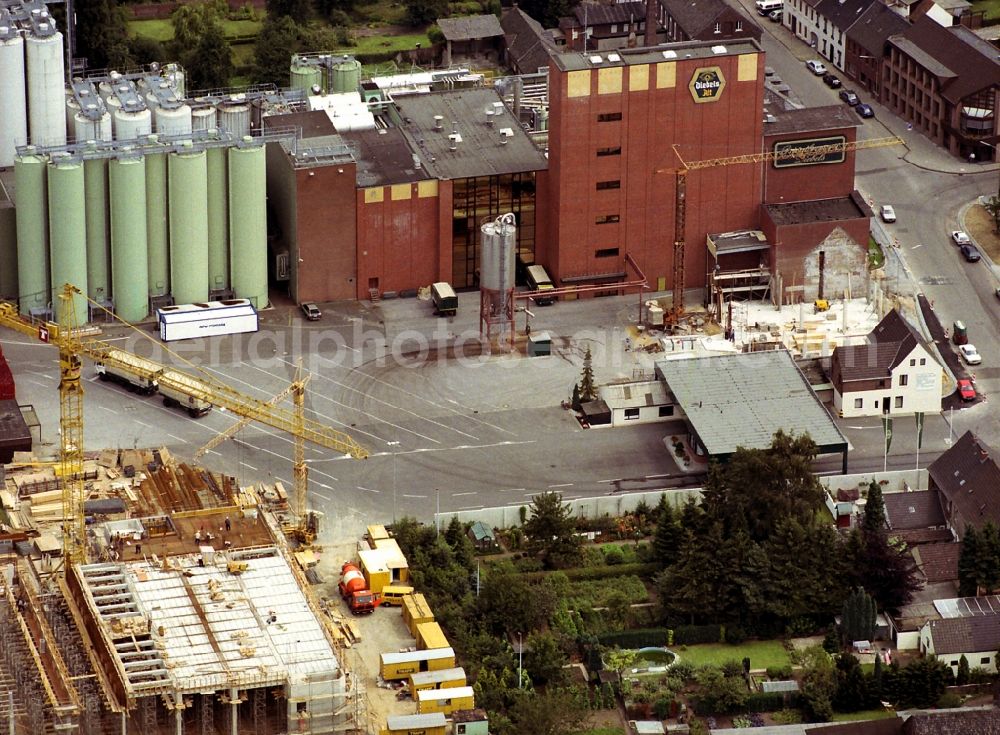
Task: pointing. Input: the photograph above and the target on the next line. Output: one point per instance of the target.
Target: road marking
(404, 495)
(513, 490)
(605, 482)
(459, 495)
(471, 507)
(250, 466)
(142, 423)
(563, 484)
(35, 382)
(917, 246)
(212, 451)
(109, 410)
(174, 436)
(325, 486)
(321, 495)
(369, 490)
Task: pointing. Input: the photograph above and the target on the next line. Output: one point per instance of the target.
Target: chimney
(503, 137)
(438, 122)
(651, 22)
(489, 117)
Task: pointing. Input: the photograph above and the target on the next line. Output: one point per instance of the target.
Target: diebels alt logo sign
(707, 84)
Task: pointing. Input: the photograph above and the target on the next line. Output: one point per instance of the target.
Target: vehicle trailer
(131, 371)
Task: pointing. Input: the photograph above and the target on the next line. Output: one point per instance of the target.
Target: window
(985, 661)
(607, 219)
(666, 410)
(301, 706)
(614, 28)
(923, 360)
(718, 27)
(954, 663)
(616, 151)
(606, 253)
(603, 185)
(913, 362)
(859, 402)
(609, 117)
(904, 380)
(631, 414)
(460, 729)
(739, 26)
(899, 401)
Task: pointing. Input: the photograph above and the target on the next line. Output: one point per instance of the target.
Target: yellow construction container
(396, 666)
(445, 700)
(433, 723)
(442, 679)
(377, 574)
(393, 557)
(416, 611)
(375, 532)
(429, 636)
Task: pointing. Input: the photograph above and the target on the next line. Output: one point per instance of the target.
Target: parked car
(970, 354)
(774, 16)
(311, 311)
(864, 110)
(849, 97)
(970, 253)
(966, 389)
(960, 238)
(831, 81)
(816, 67)
(887, 213)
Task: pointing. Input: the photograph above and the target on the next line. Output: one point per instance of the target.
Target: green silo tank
(218, 220)
(346, 75)
(129, 251)
(157, 228)
(188, 185)
(303, 76)
(248, 222)
(95, 174)
(8, 254)
(32, 233)
(68, 237)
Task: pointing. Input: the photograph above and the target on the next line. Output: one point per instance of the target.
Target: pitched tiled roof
(529, 45)
(966, 635)
(967, 475)
(598, 14)
(470, 27)
(954, 722)
(964, 62)
(695, 17)
(917, 536)
(888, 344)
(938, 562)
(843, 13)
(913, 510)
(874, 26)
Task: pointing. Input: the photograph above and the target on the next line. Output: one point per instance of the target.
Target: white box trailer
(208, 319)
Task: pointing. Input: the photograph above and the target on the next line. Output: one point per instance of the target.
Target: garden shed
(482, 536)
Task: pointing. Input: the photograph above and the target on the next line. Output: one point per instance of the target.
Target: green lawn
(866, 714)
(163, 30)
(763, 654)
(381, 44)
(992, 8)
(376, 12)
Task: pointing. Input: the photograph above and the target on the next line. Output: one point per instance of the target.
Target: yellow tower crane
(798, 152)
(73, 346)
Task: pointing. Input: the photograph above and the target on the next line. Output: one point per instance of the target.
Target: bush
(661, 707)
(949, 700)
(639, 638)
(779, 673)
(786, 717)
(732, 668)
(690, 635)
(613, 556)
(578, 574)
(683, 670)
(735, 635)
(770, 701)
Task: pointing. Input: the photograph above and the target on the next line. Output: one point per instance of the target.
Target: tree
(544, 658)
(210, 65)
(278, 40)
(507, 604)
(819, 682)
(548, 12)
(575, 401)
(923, 682)
(874, 519)
(620, 659)
(875, 682)
(588, 391)
(551, 531)
(297, 10)
(454, 533)
(102, 34)
(556, 712)
(992, 206)
(668, 536)
(962, 677)
(968, 561)
(719, 693)
(886, 569)
(852, 692)
(858, 616)
(988, 557)
(422, 12)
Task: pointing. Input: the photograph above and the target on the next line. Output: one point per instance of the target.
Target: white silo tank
(46, 81)
(176, 121)
(130, 124)
(203, 118)
(87, 128)
(14, 110)
(72, 107)
(234, 116)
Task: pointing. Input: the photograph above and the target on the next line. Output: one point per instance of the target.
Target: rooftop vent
(614, 57)
(718, 49)
(489, 117)
(438, 122)
(669, 54)
(596, 59)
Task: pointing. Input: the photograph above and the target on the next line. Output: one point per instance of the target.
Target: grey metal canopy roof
(741, 400)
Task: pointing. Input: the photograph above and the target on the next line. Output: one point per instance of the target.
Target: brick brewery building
(369, 212)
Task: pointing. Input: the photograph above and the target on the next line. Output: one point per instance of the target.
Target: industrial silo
(32, 232)
(129, 279)
(68, 235)
(204, 117)
(8, 254)
(72, 107)
(157, 224)
(304, 75)
(248, 222)
(188, 207)
(13, 111)
(234, 115)
(498, 246)
(346, 75)
(46, 98)
(132, 120)
(93, 123)
(174, 75)
(218, 219)
(173, 120)
(95, 174)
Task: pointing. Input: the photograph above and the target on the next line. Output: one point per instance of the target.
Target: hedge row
(772, 701)
(607, 571)
(638, 638)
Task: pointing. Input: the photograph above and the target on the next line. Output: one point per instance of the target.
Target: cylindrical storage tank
(218, 219)
(188, 187)
(174, 75)
(173, 122)
(46, 99)
(32, 233)
(234, 117)
(95, 174)
(346, 75)
(8, 254)
(14, 110)
(86, 129)
(68, 237)
(72, 108)
(129, 280)
(157, 227)
(304, 76)
(248, 223)
(131, 124)
(499, 246)
(203, 118)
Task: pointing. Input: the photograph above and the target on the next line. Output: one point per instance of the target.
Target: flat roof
(741, 400)
(968, 607)
(432, 677)
(816, 210)
(191, 628)
(393, 555)
(415, 722)
(742, 241)
(635, 395)
(429, 654)
(383, 157)
(808, 119)
(576, 61)
(13, 427)
(478, 151)
(470, 27)
(424, 695)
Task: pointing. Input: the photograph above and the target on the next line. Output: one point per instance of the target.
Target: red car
(966, 389)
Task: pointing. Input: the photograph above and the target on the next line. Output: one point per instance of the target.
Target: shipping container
(433, 723)
(374, 568)
(396, 666)
(416, 611)
(208, 319)
(445, 700)
(393, 557)
(429, 635)
(441, 679)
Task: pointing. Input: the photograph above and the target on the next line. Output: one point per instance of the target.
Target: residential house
(968, 479)
(953, 722)
(802, 18)
(891, 373)
(944, 81)
(943, 12)
(938, 563)
(528, 45)
(598, 27)
(471, 36)
(640, 402)
(913, 510)
(705, 20)
(977, 638)
(837, 16)
(865, 46)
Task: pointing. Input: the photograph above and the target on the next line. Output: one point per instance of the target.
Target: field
(763, 654)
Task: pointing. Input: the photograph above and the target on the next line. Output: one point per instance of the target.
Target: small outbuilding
(482, 536)
(471, 36)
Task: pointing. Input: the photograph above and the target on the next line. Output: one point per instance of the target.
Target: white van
(764, 7)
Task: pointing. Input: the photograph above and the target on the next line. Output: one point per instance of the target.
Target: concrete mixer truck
(354, 589)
